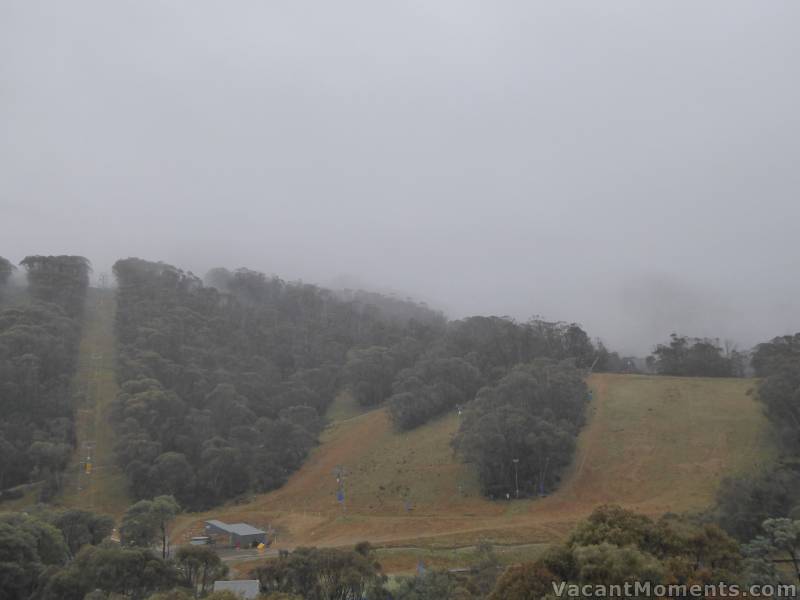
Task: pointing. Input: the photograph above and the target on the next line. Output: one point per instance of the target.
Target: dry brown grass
(654, 444)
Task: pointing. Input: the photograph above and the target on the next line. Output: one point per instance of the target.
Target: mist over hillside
(452, 300)
(601, 163)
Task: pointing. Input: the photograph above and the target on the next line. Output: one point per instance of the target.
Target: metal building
(237, 535)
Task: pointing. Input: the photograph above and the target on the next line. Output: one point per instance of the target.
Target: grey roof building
(245, 588)
(235, 534)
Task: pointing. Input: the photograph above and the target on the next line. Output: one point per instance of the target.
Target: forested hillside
(697, 357)
(477, 351)
(223, 386)
(7, 268)
(745, 502)
(38, 355)
(534, 412)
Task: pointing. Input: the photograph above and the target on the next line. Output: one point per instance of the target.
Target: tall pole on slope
(516, 475)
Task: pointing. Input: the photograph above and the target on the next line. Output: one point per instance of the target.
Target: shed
(244, 588)
(239, 535)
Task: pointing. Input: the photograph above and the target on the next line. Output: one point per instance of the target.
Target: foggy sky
(632, 166)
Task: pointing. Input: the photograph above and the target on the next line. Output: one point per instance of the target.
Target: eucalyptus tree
(62, 280)
(520, 433)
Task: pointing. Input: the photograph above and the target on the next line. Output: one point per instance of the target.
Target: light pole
(516, 475)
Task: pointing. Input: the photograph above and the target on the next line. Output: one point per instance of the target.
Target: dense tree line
(7, 269)
(224, 383)
(778, 364)
(36, 545)
(29, 547)
(66, 555)
(434, 385)
(353, 574)
(614, 546)
(520, 432)
(779, 355)
(369, 373)
(38, 356)
(325, 573)
(696, 357)
(480, 350)
(61, 280)
(393, 309)
(745, 502)
(497, 344)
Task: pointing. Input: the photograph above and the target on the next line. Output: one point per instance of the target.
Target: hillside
(103, 488)
(655, 444)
